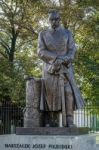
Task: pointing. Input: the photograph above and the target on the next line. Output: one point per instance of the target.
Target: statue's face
(54, 20)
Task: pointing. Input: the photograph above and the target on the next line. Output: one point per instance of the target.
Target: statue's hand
(55, 67)
(65, 60)
(57, 64)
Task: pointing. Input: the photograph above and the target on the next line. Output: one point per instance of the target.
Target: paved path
(97, 147)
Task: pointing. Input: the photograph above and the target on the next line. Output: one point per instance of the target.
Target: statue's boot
(69, 105)
(70, 123)
(46, 119)
(51, 119)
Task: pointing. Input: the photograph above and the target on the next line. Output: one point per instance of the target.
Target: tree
(81, 17)
(18, 37)
(20, 23)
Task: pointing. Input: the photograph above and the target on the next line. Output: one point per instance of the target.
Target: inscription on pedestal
(30, 142)
(38, 146)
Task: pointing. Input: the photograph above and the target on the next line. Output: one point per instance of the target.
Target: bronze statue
(59, 93)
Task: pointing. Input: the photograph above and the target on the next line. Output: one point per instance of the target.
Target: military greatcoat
(51, 45)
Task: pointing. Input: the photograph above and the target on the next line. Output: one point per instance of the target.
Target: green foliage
(12, 83)
(20, 23)
(18, 41)
(88, 54)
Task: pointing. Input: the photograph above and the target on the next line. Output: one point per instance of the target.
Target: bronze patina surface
(56, 47)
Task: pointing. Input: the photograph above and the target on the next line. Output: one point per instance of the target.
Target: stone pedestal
(52, 131)
(32, 114)
(40, 142)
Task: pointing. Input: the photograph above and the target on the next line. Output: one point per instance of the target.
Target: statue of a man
(57, 49)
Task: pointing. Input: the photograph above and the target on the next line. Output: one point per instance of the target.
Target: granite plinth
(35, 142)
(51, 131)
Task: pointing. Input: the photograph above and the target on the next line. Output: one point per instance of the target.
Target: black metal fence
(12, 117)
